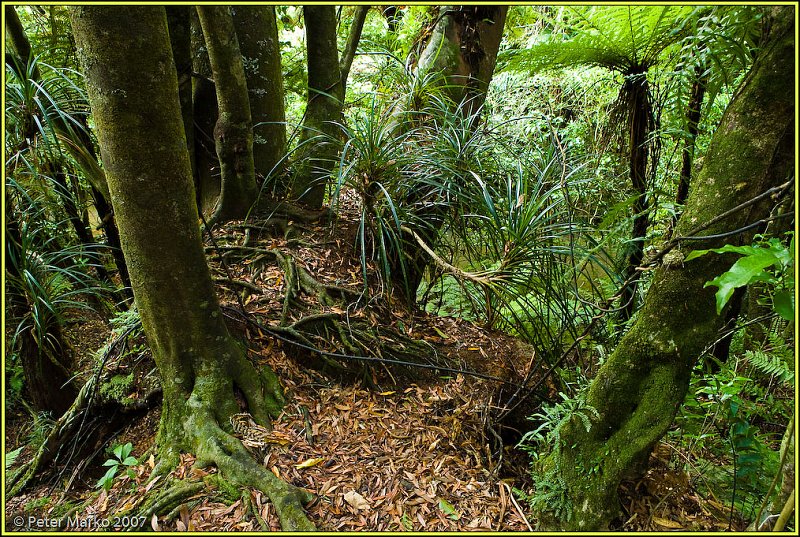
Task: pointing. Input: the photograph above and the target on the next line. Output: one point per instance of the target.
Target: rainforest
(399, 267)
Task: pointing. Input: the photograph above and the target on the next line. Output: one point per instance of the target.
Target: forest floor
(380, 448)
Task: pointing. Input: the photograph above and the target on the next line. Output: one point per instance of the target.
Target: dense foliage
(524, 210)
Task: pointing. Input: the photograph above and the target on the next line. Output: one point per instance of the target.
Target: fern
(625, 39)
(774, 360)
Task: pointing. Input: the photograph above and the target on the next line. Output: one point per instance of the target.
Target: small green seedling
(122, 458)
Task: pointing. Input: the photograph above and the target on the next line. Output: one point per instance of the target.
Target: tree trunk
(18, 37)
(133, 92)
(257, 31)
(693, 112)
(463, 48)
(327, 79)
(641, 386)
(640, 126)
(233, 132)
(179, 23)
(55, 167)
(204, 112)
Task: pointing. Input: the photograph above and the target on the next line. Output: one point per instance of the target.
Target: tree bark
(639, 127)
(693, 113)
(133, 92)
(463, 48)
(179, 23)
(233, 132)
(257, 31)
(204, 112)
(326, 93)
(639, 389)
(19, 39)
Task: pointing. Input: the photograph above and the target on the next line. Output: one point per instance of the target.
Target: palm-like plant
(628, 40)
(46, 285)
(445, 186)
(47, 137)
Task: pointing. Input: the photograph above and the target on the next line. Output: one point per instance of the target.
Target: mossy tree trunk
(463, 49)
(639, 389)
(133, 92)
(327, 79)
(257, 32)
(204, 112)
(233, 132)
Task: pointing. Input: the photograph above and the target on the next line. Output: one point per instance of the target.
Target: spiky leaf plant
(47, 286)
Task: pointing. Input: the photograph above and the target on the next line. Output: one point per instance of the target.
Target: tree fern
(626, 39)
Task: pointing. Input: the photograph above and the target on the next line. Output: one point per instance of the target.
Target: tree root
(228, 454)
(58, 435)
(166, 500)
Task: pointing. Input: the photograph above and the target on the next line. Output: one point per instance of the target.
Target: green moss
(225, 489)
(118, 388)
(38, 503)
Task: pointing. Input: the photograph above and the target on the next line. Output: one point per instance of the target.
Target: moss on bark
(133, 92)
(257, 32)
(233, 132)
(640, 388)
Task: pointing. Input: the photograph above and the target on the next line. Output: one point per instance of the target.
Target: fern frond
(771, 364)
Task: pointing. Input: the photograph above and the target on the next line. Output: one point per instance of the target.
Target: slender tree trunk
(639, 389)
(693, 112)
(233, 132)
(133, 92)
(204, 113)
(257, 31)
(19, 39)
(639, 124)
(179, 23)
(327, 78)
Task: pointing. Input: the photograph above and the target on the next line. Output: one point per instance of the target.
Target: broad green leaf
(107, 480)
(731, 249)
(745, 271)
(130, 461)
(783, 303)
(448, 509)
(111, 462)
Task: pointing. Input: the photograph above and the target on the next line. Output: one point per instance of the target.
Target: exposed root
(59, 434)
(228, 454)
(166, 500)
